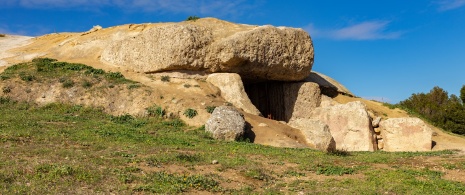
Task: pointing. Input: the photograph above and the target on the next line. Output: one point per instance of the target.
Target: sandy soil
(10, 42)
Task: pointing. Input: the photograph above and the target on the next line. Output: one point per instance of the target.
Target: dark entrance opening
(268, 98)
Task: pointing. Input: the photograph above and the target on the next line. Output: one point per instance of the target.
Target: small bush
(133, 86)
(165, 78)
(210, 109)
(114, 75)
(192, 18)
(2, 35)
(6, 89)
(68, 83)
(5, 100)
(187, 85)
(190, 113)
(4, 77)
(155, 111)
(94, 71)
(26, 77)
(87, 84)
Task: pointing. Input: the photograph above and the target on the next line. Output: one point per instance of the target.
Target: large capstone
(212, 45)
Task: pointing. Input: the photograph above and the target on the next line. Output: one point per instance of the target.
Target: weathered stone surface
(329, 86)
(316, 133)
(211, 45)
(327, 101)
(375, 122)
(232, 90)
(349, 124)
(226, 123)
(406, 134)
(300, 99)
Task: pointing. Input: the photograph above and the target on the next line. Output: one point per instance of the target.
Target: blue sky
(381, 49)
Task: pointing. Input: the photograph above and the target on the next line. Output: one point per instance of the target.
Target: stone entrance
(268, 97)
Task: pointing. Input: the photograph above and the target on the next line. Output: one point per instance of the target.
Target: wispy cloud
(216, 7)
(368, 30)
(379, 99)
(445, 5)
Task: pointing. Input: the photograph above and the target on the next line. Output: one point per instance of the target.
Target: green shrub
(192, 18)
(133, 86)
(94, 71)
(4, 77)
(87, 84)
(155, 111)
(190, 113)
(165, 78)
(210, 109)
(6, 89)
(187, 85)
(68, 83)
(114, 75)
(26, 77)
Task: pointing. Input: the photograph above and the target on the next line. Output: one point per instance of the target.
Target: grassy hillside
(68, 148)
(61, 148)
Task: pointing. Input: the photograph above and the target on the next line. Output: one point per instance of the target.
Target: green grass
(190, 113)
(61, 148)
(72, 149)
(41, 70)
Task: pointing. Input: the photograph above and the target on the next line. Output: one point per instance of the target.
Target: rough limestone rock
(406, 134)
(327, 101)
(232, 90)
(212, 45)
(300, 100)
(316, 133)
(349, 124)
(329, 86)
(375, 122)
(226, 123)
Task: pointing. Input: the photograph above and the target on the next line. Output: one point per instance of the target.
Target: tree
(462, 94)
(440, 109)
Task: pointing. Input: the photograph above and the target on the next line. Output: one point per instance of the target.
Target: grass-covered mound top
(45, 80)
(60, 148)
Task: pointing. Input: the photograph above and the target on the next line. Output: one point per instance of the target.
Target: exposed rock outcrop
(349, 124)
(300, 99)
(226, 123)
(232, 90)
(316, 133)
(329, 86)
(263, 52)
(406, 134)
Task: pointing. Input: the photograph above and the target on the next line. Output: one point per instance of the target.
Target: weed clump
(165, 78)
(210, 109)
(192, 18)
(155, 111)
(190, 113)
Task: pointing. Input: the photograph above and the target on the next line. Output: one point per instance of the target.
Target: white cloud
(368, 30)
(445, 5)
